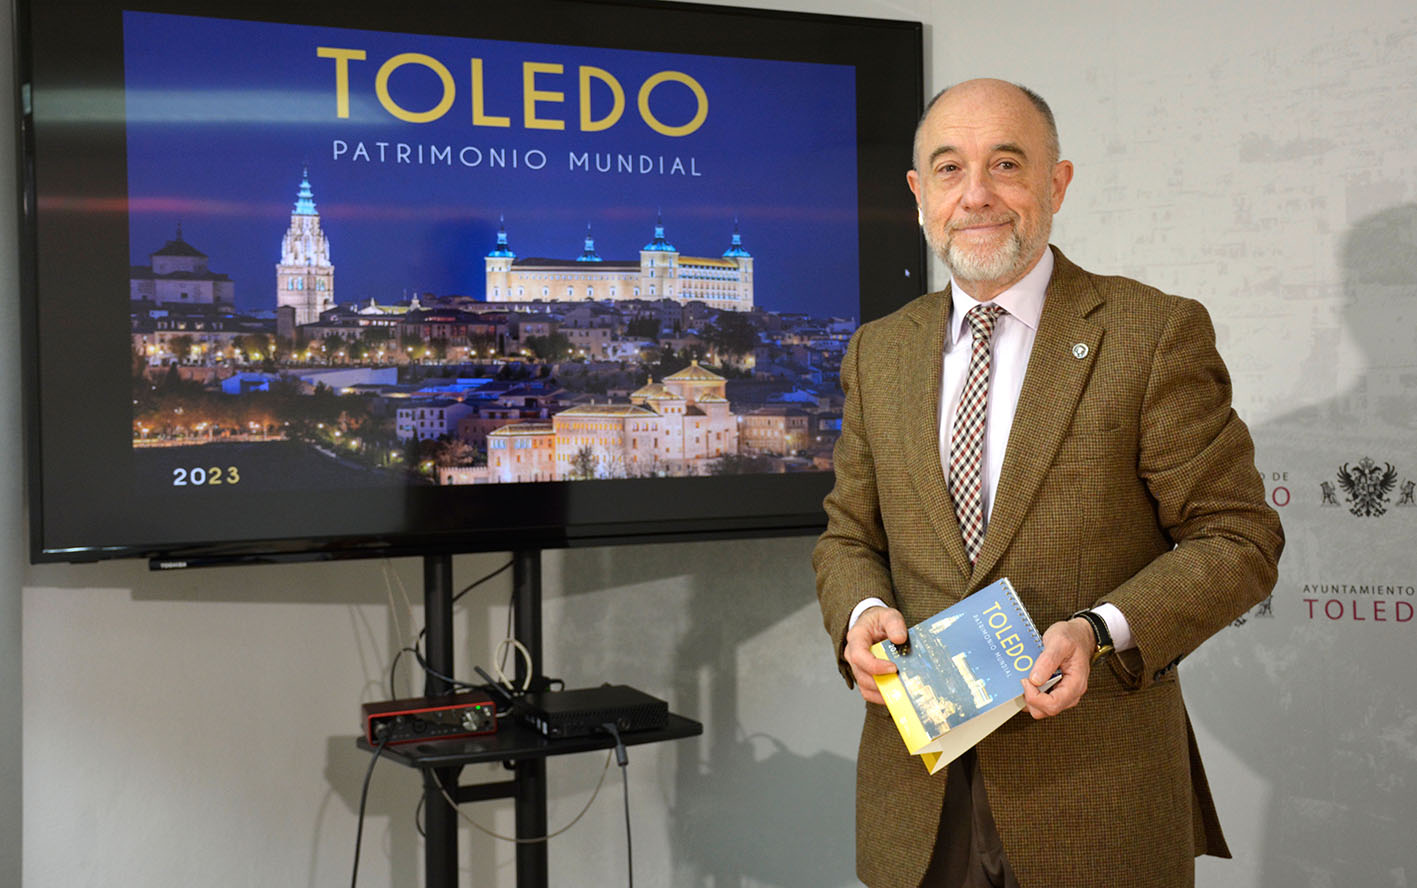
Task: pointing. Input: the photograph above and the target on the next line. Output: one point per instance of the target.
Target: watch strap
(1100, 633)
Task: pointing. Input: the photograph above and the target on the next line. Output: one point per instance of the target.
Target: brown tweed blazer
(1128, 478)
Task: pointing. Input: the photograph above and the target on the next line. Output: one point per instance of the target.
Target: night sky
(224, 115)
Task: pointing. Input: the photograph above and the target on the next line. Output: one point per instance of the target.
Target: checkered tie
(967, 436)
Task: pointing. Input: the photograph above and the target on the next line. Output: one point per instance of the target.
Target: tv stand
(523, 749)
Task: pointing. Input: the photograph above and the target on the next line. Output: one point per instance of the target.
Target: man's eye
(947, 168)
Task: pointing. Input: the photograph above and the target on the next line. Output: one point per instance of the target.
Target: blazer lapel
(921, 362)
(1058, 369)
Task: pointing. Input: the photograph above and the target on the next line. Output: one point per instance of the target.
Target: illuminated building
(524, 451)
(429, 419)
(780, 431)
(612, 441)
(723, 282)
(675, 427)
(305, 279)
(977, 688)
(178, 278)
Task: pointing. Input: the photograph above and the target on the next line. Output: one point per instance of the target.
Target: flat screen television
(342, 279)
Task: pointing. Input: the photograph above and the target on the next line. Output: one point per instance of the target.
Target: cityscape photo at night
(364, 258)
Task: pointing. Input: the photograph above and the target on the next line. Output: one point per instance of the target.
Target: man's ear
(1062, 176)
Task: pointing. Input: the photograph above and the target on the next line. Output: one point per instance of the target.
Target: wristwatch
(1099, 632)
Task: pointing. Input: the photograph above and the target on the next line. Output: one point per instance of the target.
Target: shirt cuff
(1116, 624)
(860, 609)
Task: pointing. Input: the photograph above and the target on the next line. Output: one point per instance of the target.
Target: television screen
(338, 279)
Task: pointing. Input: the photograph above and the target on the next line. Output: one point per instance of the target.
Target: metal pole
(440, 847)
(532, 871)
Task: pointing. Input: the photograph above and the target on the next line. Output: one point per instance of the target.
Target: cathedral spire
(305, 200)
(305, 276)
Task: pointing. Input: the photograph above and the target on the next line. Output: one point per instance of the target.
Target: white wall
(197, 728)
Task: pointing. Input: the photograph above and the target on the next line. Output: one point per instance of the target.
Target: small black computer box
(579, 713)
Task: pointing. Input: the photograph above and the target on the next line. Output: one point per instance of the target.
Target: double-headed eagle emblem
(1367, 487)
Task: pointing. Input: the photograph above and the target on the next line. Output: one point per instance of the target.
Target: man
(1081, 434)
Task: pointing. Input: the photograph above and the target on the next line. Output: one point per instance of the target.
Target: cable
(623, 759)
(466, 589)
(363, 796)
(495, 687)
(482, 829)
(417, 653)
(629, 848)
(393, 667)
(511, 611)
(478, 582)
(526, 658)
(389, 578)
(452, 682)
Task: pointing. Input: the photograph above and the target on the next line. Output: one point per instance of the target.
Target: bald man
(1101, 469)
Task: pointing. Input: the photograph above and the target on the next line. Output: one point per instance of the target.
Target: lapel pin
(1080, 350)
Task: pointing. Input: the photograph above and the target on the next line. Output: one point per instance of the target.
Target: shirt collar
(1023, 301)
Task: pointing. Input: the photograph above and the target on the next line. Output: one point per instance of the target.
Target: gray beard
(1002, 264)
(1008, 262)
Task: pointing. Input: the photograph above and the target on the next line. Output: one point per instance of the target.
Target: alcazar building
(721, 282)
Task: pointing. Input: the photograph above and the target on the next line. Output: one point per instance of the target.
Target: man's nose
(978, 190)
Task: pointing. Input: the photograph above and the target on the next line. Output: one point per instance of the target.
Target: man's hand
(1067, 646)
(876, 624)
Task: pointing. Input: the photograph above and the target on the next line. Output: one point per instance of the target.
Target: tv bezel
(80, 505)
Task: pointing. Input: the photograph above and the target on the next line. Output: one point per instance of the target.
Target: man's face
(987, 184)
